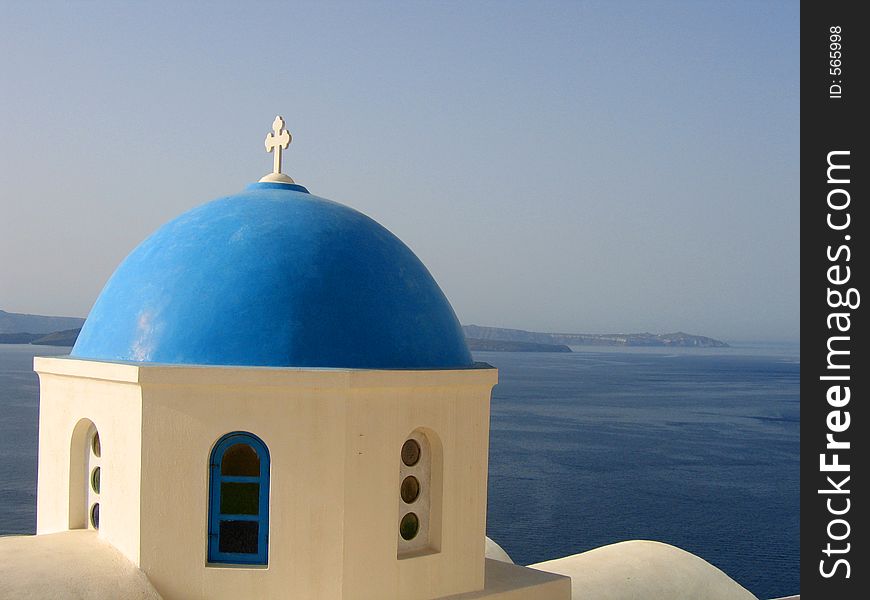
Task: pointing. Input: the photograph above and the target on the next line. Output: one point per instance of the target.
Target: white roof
(71, 564)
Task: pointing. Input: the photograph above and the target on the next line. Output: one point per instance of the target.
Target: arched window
(84, 476)
(238, 523)
(419, 494)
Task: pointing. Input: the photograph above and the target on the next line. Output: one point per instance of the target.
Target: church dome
(274, 276)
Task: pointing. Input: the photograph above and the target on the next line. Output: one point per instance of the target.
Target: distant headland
(679, 339)
(67, 337)
(18, 328)
(20, 322)
(512, 346)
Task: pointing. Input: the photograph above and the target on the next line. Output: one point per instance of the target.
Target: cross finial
(276, 141)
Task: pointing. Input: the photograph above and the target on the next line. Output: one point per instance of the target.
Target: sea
(695, 447)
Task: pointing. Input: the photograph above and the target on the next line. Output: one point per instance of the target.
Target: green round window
(410, 489)
(410, 452)
(95, 445)
(95, 515)
(95, 480)
(409, 526)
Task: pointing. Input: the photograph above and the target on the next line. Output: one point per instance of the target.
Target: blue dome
(274, 276)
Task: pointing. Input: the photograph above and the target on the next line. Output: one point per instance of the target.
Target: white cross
(280, 138)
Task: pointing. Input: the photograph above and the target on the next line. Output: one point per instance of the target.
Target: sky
(558, 166)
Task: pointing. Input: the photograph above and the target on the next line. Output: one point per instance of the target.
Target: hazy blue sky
(558, 166)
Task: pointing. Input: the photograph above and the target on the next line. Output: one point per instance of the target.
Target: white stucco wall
(107, 395)
(334, 437)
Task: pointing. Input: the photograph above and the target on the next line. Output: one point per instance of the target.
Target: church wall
(106, 394)
(300, 419)
(381, 415)
(335, 439)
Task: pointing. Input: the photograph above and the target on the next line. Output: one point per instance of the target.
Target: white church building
(273, 398)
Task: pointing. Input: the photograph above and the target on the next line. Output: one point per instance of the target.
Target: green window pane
(240, 498)
(95, 445)
(411, 452)
(95, 480)
(240, 459)
(409, 526)
(410, 489)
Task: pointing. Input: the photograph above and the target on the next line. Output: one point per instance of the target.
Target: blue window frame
(238, 519)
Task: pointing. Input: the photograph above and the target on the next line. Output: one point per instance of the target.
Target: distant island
(679, 339)
(18, 328)
(21, 328)
(20, 322)
(511, 346)
(66, 337)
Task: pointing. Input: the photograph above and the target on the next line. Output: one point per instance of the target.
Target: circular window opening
(95, 515)
(410, 489)
(409, 526)
(95, 445)
(95, 480)
(410, 452)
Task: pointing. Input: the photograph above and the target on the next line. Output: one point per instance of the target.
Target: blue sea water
(19, 415)
(694, 447)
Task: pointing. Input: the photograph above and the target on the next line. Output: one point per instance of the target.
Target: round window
(95, 515)
(95, 480)
(409, 526)
(410, 452)
(410, 489)
(95, 445)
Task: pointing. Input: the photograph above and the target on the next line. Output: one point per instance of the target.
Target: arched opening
(85, 476)
(420, 480)
(238, 524)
